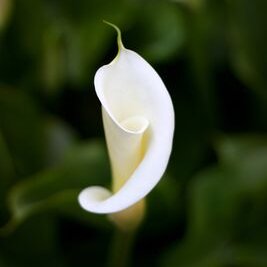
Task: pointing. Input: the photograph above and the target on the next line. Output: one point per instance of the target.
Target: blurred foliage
(210, 207)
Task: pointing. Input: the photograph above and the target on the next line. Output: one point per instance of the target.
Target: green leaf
(57, 189)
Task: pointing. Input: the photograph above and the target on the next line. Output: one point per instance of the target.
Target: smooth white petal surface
(138, 120)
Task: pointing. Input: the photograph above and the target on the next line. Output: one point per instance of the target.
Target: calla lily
(138, 119)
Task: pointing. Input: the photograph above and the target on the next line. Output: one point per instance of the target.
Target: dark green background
(210, 208)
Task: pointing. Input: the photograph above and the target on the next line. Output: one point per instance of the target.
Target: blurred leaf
(57, 189)
(191, 141)
(60, 137)
(250, 255)
(36, 21)
(227, 205)
(164, 221)
(5, 10)
(195, 254)
(246, 156)
(217, 194)
(86, 45)
(7, 170)
(218, 216)
(158, 38)
(74, 43)
(160, 205)
(34, 244)
(54, 58)
(90, 38)
(206, 48)
(194, 4)
(248, 39)
(214, 198)
(2, 262)
(22, 131)
(22, 43)
(236, 147)
(7, 175)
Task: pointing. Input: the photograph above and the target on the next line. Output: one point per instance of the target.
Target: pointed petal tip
(119, 41)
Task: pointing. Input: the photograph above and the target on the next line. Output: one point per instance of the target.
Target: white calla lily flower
(138, 119)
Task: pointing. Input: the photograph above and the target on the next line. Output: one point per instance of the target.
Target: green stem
(121, 248)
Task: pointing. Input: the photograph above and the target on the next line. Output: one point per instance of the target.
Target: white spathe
(138, 119)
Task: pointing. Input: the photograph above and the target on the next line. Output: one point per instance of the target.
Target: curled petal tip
(90, 198)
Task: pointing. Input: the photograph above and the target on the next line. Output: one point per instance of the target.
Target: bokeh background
(210, 208)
